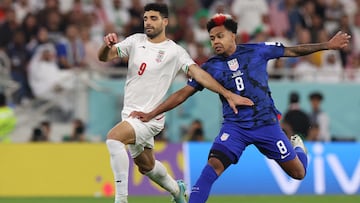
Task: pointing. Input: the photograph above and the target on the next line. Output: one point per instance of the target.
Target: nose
(215, 41)
(147, 24)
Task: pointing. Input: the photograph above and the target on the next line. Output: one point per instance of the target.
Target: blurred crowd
(311, 126)
(44, 43)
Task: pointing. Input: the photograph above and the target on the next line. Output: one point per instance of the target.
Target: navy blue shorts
(270, 141)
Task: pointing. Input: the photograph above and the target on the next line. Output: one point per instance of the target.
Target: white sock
(160, 176)
(119, 161)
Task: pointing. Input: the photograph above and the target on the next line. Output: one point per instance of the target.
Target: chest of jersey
(152, 61)
(239, 74)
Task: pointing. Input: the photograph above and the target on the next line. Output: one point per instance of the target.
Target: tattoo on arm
(304, 49)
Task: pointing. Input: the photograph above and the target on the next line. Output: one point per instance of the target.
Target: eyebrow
(217, 33)
(151, 16)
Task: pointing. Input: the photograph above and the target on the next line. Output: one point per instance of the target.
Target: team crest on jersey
(224, 137)
(160, 56)
(233, 64)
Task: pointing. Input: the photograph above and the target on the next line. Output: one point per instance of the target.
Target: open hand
(237, 100)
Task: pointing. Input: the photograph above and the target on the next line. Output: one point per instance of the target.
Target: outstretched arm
(171, 102)
(339, 41)
(181, 95)
(210, 83)
(108, 51)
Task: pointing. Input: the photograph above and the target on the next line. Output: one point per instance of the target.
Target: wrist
(227, 94)
(152, 115)
(327, 46)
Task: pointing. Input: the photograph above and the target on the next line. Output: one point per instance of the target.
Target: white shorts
(144, 133)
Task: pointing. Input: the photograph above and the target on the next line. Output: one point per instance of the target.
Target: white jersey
(152, 68)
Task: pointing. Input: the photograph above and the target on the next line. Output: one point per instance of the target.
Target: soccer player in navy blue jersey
(242, 69)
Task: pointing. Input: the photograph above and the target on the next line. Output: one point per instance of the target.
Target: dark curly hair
(161, 8)
(222, 19)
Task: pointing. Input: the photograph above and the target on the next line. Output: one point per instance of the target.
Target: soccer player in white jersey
(153, 64)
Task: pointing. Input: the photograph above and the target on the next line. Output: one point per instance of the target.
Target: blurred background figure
(277, 70)
(200, 30)
(7, 85)
(119, 16)
(49, 83)
(90, 49)
(41, 133)
(318, 117)
(304, 68)
(37, 135)
(7, 120)
(8, 25)
(249, 15)
(51, 17)
(295, 120)
(327, 63)
(202, 55)
(135, 24)
(70, 49)
(195, 131)
(197, 136)
(313, 133)
(45, 127)
(19, 57)
(77, 133)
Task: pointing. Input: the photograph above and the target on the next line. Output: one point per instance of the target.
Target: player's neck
(158, 39)
(231, 51)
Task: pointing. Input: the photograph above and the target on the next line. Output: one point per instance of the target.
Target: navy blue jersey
(244, 73)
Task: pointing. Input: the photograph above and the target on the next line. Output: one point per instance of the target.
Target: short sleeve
(193, 83)
(184, 60)
(124, 47)
(271, 50)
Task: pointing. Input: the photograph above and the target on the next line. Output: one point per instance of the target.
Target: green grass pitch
(212, 199)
